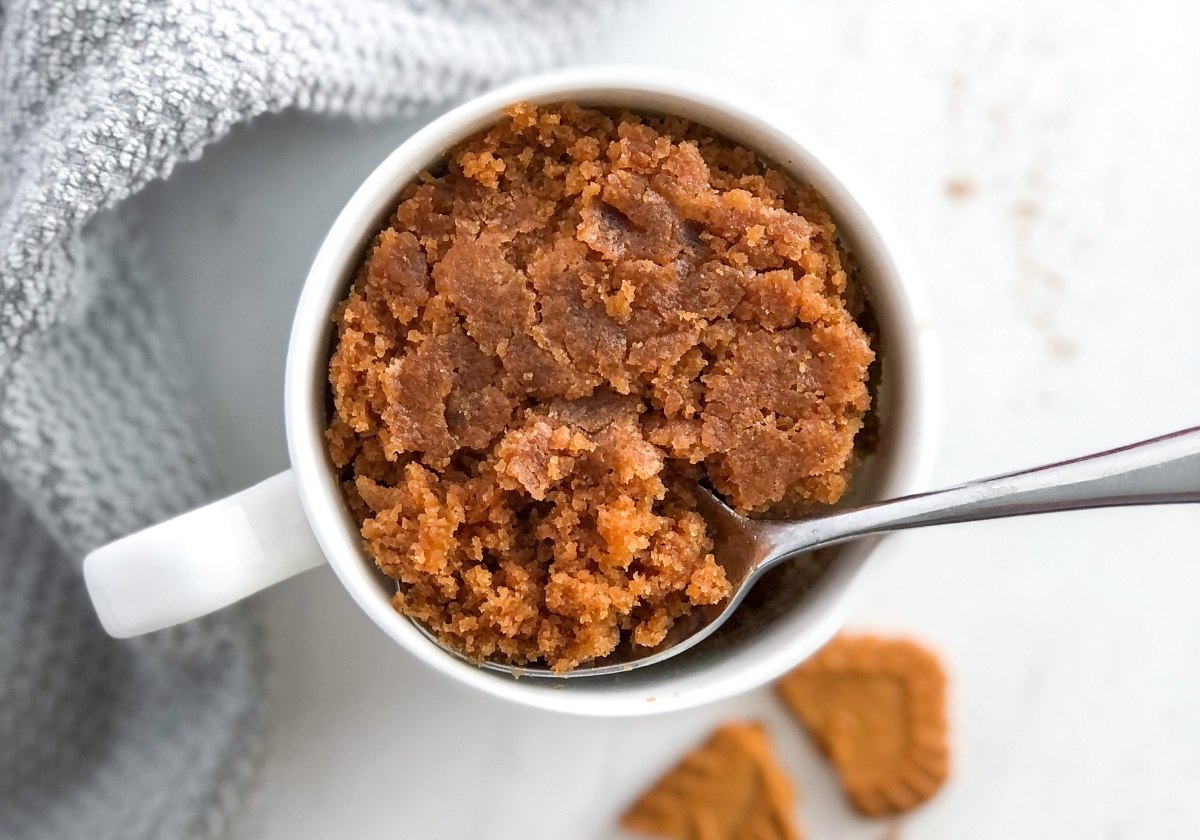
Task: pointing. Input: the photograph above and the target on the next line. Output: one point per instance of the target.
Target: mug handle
(203, 560)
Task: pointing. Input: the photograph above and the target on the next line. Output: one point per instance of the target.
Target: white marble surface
(1040, 159)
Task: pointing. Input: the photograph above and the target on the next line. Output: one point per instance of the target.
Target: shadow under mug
(211, 557)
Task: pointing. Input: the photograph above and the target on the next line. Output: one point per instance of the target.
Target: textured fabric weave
(156, 737)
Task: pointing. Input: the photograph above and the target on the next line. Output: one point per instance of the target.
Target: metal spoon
(1164, 470)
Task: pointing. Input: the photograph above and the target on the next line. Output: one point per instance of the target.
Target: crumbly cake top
(582, 314)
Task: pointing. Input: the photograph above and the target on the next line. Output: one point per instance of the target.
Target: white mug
(206, 559)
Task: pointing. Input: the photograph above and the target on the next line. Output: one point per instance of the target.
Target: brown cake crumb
(557, 335)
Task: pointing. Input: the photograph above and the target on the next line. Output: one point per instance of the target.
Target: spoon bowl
(1163, 470)
(742, 547)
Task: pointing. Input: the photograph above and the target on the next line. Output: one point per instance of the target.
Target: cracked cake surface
(562, 329)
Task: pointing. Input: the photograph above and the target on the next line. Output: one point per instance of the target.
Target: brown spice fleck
(960, 188)
(1025, 209)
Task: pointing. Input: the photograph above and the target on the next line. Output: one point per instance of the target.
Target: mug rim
(358, 222)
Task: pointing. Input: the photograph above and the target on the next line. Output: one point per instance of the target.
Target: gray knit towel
(158, 737)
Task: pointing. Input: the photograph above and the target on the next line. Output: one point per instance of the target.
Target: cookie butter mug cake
(581, 314)
(530, 332)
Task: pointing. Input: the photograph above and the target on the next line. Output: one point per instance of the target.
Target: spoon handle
(1163, 470)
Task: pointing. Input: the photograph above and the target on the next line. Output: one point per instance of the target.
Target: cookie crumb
(877, 709)
(729, 788)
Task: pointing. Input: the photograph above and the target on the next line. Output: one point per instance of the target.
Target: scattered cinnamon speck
(1062, 348)
(1025, 209)
(960, 188)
